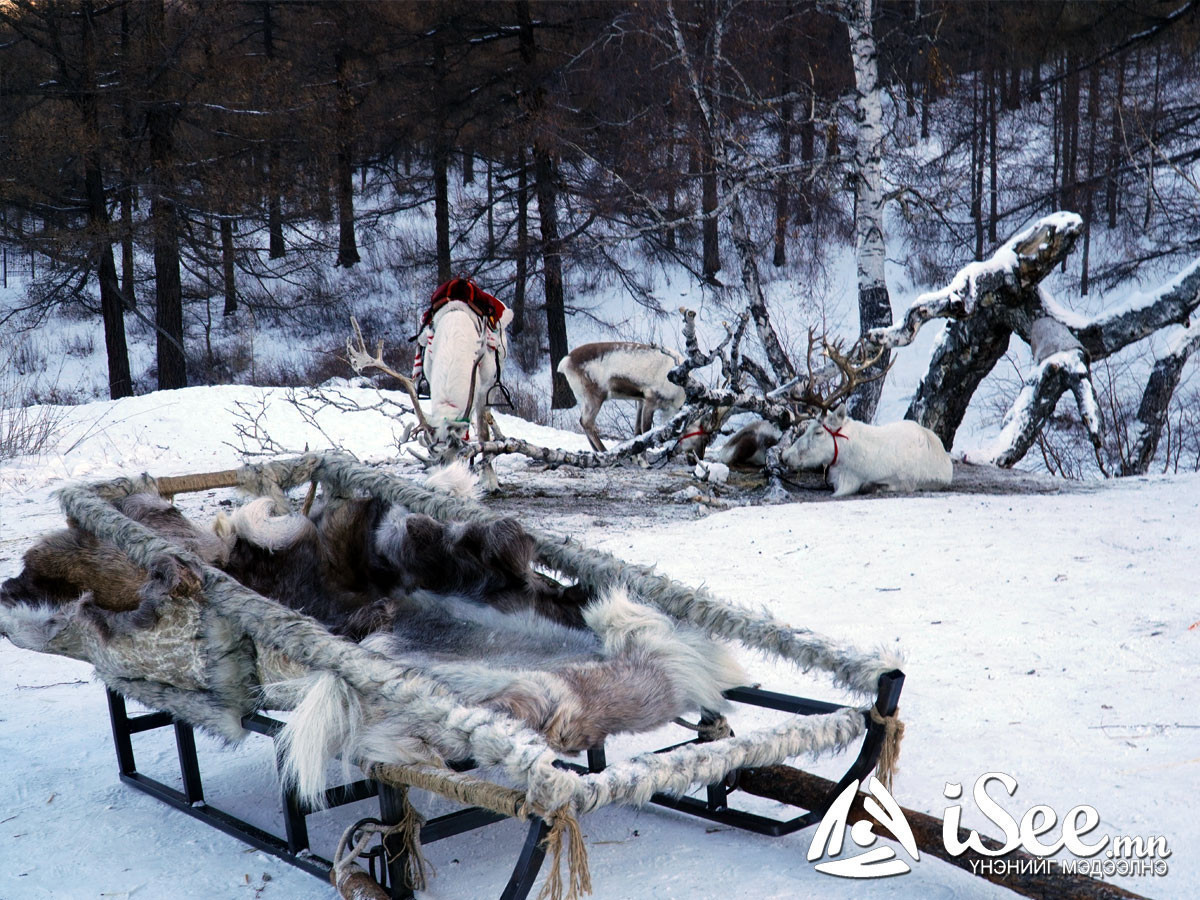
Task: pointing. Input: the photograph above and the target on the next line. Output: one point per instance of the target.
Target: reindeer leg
(646, 410)
(587, 420)
(487, 475)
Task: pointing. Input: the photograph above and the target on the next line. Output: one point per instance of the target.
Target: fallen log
(1014, 870)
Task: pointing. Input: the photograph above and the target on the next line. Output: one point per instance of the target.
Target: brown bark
(164, 219)
(1152, 411)
(347, 245)
(522, 261)
(120, 383)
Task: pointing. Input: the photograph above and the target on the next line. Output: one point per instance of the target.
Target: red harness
(835, 435)
(482, 303)
(691, 434)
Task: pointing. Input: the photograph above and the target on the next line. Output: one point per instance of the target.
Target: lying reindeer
(899, 456)
(623, 370)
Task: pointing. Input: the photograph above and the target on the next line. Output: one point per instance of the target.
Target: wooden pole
(798, 788)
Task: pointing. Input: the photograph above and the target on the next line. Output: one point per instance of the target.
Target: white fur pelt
(899, 456)
(257, 523)
(455, 478)
(460, 337)
(631, 670)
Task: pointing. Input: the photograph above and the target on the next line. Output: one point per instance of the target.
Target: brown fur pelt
(343, 565)
(64, 565)
(347, 561)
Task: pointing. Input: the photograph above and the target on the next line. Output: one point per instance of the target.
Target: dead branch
(1014, 269)
(360, 359)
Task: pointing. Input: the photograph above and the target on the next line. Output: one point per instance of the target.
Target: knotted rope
(889, 753)
(565, 831)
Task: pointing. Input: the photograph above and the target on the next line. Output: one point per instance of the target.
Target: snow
(1046, 637)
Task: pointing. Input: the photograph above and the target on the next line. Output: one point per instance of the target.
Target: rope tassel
(565, 826)
(889, 753)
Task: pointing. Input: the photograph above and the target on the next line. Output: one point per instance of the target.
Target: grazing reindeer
(899, 456)
(623, 370)
(463, 358)
(461, 348)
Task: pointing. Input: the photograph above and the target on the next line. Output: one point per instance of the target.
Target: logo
(1032, 836)
(878, 863)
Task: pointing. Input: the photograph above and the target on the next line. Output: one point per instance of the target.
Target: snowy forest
(191, 175)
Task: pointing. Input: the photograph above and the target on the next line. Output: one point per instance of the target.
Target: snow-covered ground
(1047, 637)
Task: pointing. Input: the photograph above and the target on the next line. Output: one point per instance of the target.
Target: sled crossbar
(293, 845)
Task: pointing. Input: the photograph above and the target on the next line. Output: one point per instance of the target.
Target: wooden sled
(550, 792)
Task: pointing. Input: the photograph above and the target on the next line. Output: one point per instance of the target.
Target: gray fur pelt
(630, 670)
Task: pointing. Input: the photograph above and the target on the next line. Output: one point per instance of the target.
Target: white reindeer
(463, 362)
(899, 456)
(624, 370)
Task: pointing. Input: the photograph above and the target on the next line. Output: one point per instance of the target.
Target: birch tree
(874, 304)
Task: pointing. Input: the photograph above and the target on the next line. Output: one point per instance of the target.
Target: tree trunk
(1070, 134)
(522, 273)
(168, 294)
(276, 248)
(231, 303)
(128, 275)
(1093, 113)
(993, 187)
(441, 211)
(711, 248)
(783, 182)
(347, 246)
(161, 117)
(120, 383)
(1156, 401)
(874, 305)
(112, 308)
(1112, 199)
(491, 218)
(556, 318)
(978, 149)
(804, 202)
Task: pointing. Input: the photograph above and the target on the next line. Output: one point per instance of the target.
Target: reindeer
(461, 347)
(624, 370)
(899, 456)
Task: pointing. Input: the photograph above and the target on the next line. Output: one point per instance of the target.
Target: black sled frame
(387, 864)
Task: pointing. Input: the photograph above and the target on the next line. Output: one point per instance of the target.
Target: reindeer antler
(852, 365)
(360, 359)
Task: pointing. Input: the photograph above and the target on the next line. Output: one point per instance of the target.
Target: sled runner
(209, 652)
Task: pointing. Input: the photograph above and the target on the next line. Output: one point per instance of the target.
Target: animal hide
(630, 670)
(64, 566)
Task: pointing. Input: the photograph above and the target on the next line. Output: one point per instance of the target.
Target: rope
(350, 879)
(889, 753)
(564, 829)
(457, 786)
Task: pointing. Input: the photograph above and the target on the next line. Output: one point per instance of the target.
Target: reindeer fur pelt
(344, 565)
(631, 670)
(71, 564)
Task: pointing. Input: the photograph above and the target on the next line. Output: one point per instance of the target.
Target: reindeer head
(700, 430)
(816, 445)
